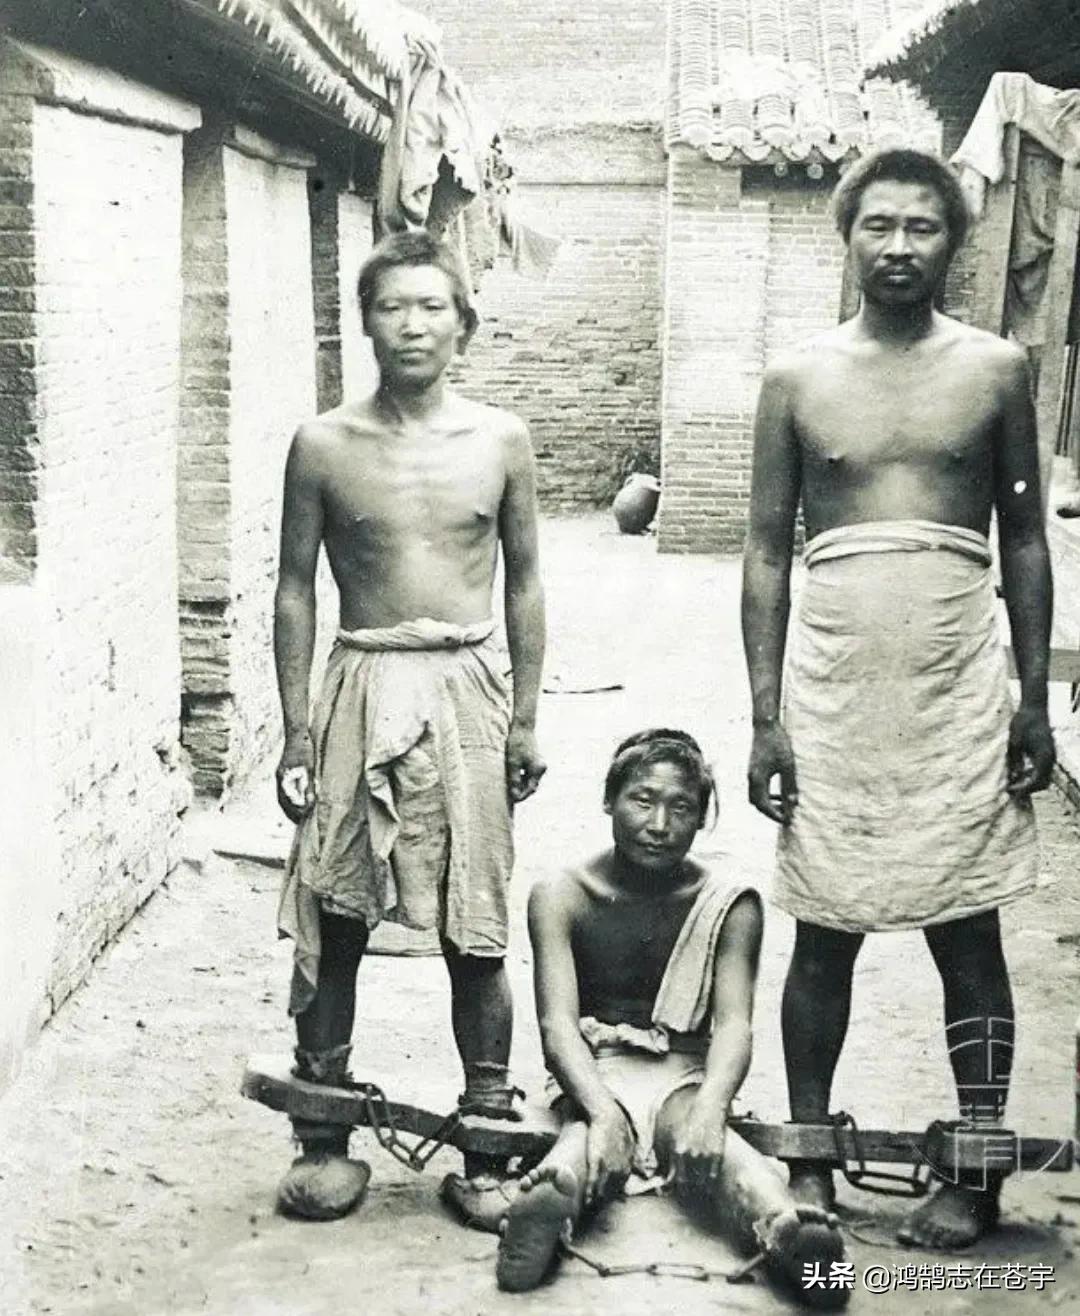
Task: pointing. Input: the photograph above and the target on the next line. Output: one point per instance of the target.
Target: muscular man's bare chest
(854, 418)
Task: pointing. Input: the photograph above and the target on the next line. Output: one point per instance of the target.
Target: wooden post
(1057, 300)
(992, 241)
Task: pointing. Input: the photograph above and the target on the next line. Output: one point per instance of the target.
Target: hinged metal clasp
(915, 1184)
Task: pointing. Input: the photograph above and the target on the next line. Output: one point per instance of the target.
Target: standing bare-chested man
(402, 781)
(905, 774)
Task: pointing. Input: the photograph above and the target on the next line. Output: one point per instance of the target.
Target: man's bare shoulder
(327, 431)
(981, 345)
(489, 420)
(561, 895)
(792, 364)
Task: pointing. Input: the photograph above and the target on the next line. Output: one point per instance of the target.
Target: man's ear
(468, 328)
(607, 806)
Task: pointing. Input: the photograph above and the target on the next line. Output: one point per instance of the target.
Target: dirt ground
(134, 1180)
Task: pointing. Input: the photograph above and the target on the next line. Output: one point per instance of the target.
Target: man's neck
(401, 404)
(642, 884)
(898, 326)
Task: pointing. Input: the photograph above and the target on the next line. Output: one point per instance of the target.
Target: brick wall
(249, 381)
(108, 333)
(558, 61)
(271, 325)
(752, 267)
(29, 873)
(577, 355)
(358, 372)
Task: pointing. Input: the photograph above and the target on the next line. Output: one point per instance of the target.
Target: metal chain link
(381, 1122)
(663, 1269)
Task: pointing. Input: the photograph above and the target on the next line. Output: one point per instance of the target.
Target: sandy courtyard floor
(134, 1180)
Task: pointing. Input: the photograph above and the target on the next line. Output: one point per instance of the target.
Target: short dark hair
(903, 165)
(415, 247)
(662, 745)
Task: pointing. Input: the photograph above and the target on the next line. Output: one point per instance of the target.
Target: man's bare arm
(567, 1056)
(766, 597)
(524, 611)
(699, 1144)
(294, 621)
(1025, 575)
(558, 1006)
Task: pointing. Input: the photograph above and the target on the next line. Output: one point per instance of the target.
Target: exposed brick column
(19, 453)
(326, 282)
(714, 350)
(203, 469)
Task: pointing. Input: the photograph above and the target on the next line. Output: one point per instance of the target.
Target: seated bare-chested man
(645, 967)
(403, 779)
(905, 774)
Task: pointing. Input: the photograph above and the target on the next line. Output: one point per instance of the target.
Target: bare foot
(812, 1185)
(956, 1216)
(545, 1206)
(802, 1244)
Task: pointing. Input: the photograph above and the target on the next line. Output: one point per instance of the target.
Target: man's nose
(899, 243)
(413, 321)
(658, 819)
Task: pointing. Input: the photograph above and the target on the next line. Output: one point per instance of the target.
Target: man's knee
(979, 934)
(472, 968)
(822, 954)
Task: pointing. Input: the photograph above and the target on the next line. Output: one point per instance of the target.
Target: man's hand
(699, 1147)
(296, 777)
(609, 1154)
(771, 756)
(524, 766)
(1031, 752)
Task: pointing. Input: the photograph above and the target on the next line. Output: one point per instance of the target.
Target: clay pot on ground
(636, 503)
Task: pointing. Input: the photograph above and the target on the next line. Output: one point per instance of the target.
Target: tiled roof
(347, 51)
(760, 80)
(941, 29)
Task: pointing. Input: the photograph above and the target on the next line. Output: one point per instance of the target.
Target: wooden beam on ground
(992, 241)
(269, 1080)
(1057, 300)
(1064, 665)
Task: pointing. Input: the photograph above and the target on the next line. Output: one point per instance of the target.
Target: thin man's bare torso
(411, 511)
(622, 941)
(888, 432)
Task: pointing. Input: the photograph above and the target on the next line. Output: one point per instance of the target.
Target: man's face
(414, 324)
(655, 817)
(900, 242)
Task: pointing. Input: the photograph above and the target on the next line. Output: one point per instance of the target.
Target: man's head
(903, 215)
(658, 792)
(415, 306)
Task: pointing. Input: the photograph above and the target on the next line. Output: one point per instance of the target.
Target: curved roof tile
(755, 80)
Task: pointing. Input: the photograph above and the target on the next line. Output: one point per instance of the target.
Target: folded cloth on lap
(897, 703)
(412, 819)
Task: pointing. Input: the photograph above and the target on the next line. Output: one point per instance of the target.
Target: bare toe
(534, 1224)
(955, 1217)
(798, 1246)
